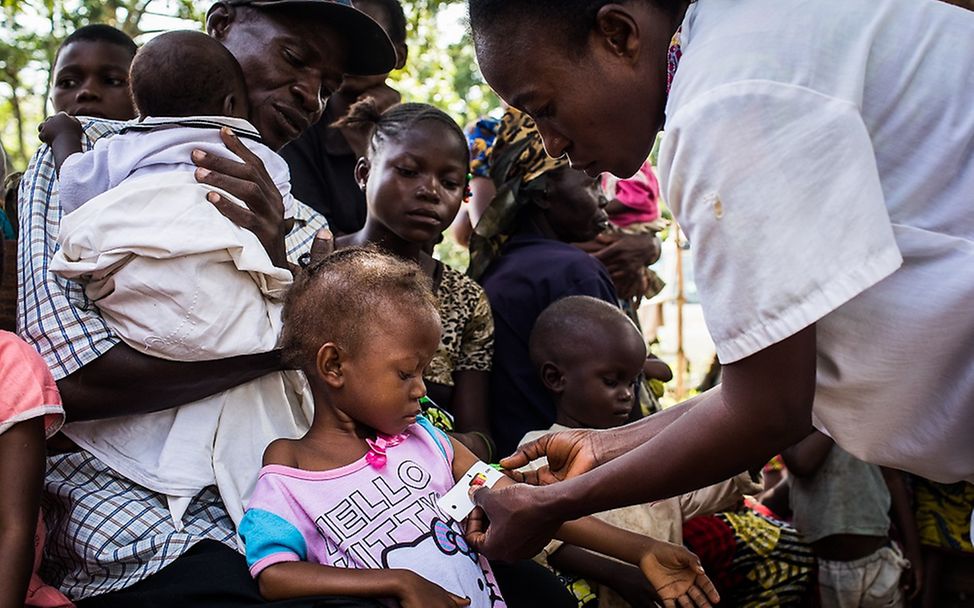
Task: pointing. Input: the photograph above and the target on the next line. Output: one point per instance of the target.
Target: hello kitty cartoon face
(443, 556)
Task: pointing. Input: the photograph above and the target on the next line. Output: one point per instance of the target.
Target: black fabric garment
(531, 272)
(527, 584)
(323, 176)
(209, 575)
(212, 575)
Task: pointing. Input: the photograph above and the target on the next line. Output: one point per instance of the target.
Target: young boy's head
(186, 73)
(363, 325)
(589, 356)
(91, 73)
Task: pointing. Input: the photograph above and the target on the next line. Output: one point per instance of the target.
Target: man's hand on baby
(625, 256)
(417, 592)
(569, 453)
(677, 576)
(250, 182)
(59, 125)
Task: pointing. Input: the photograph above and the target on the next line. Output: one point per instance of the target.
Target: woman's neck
(334, 439)
(565, 419)
(375, 233)
(378, 234)
(539, 223)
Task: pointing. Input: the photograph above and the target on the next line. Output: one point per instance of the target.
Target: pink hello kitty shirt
(377, 512)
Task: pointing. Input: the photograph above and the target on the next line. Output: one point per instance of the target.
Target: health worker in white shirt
(820, 157)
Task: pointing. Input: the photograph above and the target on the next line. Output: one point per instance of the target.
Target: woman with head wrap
(520, 252)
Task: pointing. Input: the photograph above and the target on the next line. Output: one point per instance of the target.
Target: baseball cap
(370, 50)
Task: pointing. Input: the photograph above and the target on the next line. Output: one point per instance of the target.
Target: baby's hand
(417, 592)
(59, 125)
(678, 577)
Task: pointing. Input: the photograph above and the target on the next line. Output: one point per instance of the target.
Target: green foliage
(441, 69)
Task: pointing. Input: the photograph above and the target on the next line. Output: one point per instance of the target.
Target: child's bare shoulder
(282, 452)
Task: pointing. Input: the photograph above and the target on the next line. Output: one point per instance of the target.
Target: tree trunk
(21, 156)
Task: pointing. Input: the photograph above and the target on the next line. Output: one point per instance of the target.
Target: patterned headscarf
(518, 165)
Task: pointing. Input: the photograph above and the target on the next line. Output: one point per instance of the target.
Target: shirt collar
(240, 126)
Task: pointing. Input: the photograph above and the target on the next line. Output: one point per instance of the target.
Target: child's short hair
(567, 327)
(184, 73)
(397, 120)
(99, 32)
(339, 299)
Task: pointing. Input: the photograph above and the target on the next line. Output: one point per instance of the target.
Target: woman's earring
(467, 192)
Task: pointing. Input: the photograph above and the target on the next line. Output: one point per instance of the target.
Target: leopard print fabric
(467, 343)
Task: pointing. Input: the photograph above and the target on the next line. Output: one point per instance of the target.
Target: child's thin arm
(626, 580)
(673, 571)
(287, 580)
(21, 476)
(62, 133)
(901, 510)
(806, 457)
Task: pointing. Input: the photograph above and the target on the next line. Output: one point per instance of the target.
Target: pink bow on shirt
(376, 455)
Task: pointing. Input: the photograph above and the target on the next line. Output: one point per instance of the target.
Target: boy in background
(589, 356)
(842, 506)
(91, 73)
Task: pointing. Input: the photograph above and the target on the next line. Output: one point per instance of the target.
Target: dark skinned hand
(678, 577)
(61, 124)
(250, 182)
(534, 529)
(625, 256)
(417, 592)
(570, 453)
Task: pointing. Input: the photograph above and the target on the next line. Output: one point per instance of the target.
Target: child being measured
(350, 508)
(173, 276)
(589, 356)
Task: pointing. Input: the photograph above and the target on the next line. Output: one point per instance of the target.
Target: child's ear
(553, 378)
(328, 364)
(362, 169)
(618, 30)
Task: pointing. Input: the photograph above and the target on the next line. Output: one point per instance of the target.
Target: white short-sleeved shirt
(820, 156)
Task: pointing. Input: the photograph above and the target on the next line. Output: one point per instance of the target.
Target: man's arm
(124, 381)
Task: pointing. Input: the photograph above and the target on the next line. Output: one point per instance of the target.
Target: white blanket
(177, 280)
